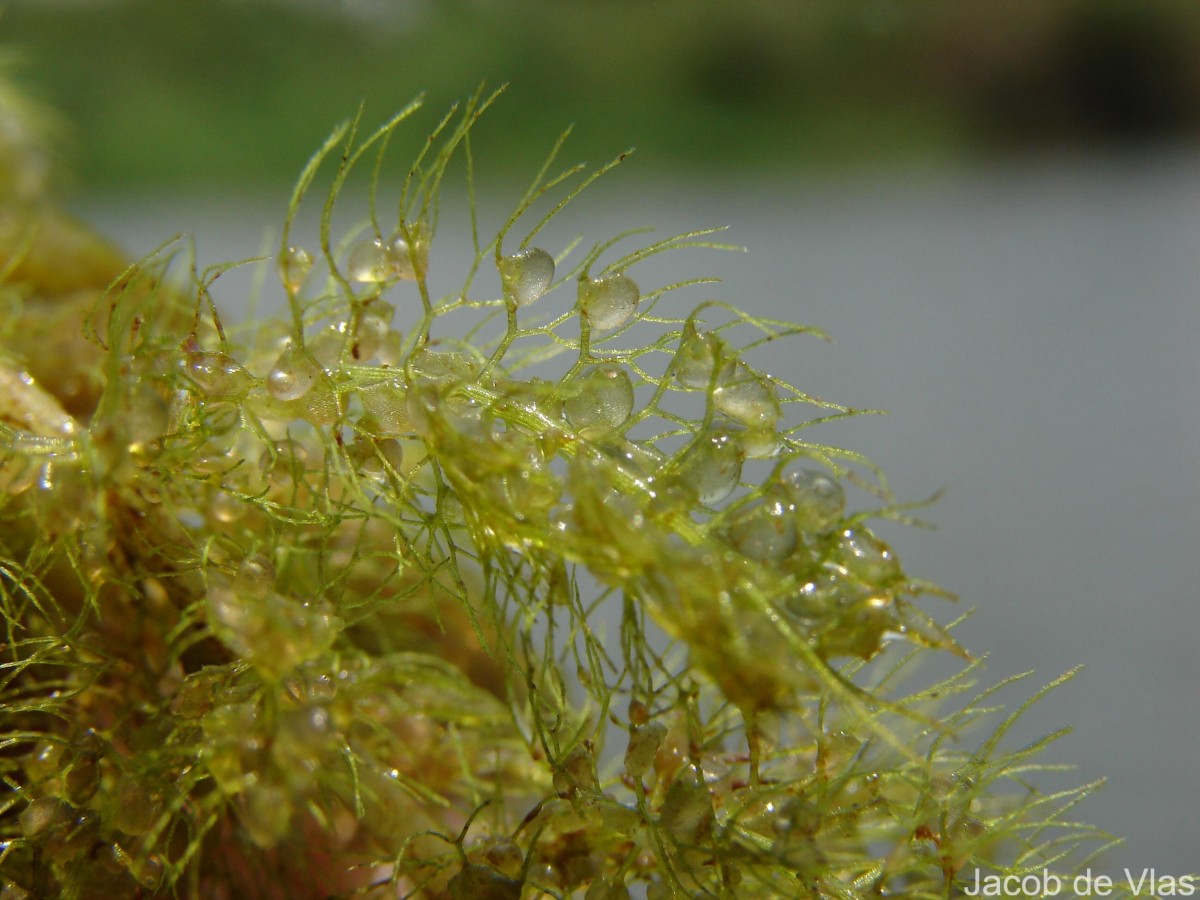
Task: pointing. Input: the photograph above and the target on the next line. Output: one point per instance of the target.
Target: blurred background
(993, 208)
(242, 90)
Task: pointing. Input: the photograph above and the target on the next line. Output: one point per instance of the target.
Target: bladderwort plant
(369, 602)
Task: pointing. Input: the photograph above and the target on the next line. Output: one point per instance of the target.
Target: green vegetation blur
(216, 91)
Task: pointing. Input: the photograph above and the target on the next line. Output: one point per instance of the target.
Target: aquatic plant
(366, 602)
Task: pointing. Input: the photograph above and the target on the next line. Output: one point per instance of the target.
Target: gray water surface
(1033, 331)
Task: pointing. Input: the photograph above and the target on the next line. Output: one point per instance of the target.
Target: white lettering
(973, 893)
(1029, 885)
(1136, 887)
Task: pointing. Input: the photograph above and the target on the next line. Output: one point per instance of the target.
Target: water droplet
(644, 743)
(265, 811)
(408, 252)
(639, 712)
(114, 858)
(640, 459)
(561, 519)
(219, 421)
(526, 275)
(467, 418)
(75, 842)
(764, 530)
(194, 697)
(83, 779)
(380, 312)
(849, 617)
(971, 829)
(41, 814)
(230, 617)
(374, 331)
(383, 459)
(17, 475)
(303, 737)
(321, 688)
(442, 367)
(294, 265)
(283, 461)
(607, 889)
(225, 508)
(190, 517)
(867, 558)
(322, 405)
(476, 882)
(319, 406)
(816, 599)
(368, 262)
(600, 399)
(135, 808)
(146, 413)
(390, 352)
(747, 398)
(293, 375)
(233, 732)
(273, 632)
(836, 747)
(760, 443)
(687, 810)
(816, 499)
(713, 466)
(12, 891)
(578, 772)
(44, 761)
(925, 848)
(299, 632)
(439, 412)
(609, 302)
(699, 352)
(402, 257)
(505, 856)
(620, 819)
(796, 815)
(609, 526)
(149, 872)
(255, 577)
(326, 345)
(218, 375)
(385, 402)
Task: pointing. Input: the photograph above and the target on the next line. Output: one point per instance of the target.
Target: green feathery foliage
(317, 607)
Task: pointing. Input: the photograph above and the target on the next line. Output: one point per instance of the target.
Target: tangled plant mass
(345, 605)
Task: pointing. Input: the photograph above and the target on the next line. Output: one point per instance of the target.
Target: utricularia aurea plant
(562, 602)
